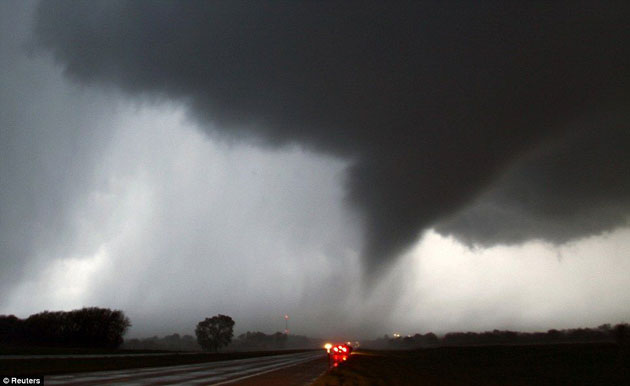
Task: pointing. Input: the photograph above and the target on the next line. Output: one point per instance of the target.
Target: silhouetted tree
(11, 329)
(621, 332)
(431, 339)
(87, 327)
(214, 333)
(280, 339)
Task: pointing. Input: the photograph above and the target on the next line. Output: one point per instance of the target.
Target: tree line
(211, 333)
(173, 342)
(256, 340)
(90, 327)
(217, 332)
(620, 333)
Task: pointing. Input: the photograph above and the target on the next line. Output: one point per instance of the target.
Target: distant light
(328, 346)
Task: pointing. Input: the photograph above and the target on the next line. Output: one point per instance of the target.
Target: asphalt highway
(278, 367)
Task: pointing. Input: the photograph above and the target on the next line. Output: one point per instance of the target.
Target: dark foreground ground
(568, 364)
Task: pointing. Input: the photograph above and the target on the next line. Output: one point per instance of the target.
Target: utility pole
(286, 324)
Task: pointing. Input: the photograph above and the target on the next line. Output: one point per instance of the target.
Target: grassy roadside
(50, 366)
(571, 364)
(28, 350)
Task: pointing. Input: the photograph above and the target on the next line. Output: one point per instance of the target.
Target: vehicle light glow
(338, 353)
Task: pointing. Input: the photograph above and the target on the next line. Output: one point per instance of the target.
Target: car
(338, 353)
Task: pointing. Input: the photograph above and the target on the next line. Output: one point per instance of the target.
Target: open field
(67, 363)
(568, 364)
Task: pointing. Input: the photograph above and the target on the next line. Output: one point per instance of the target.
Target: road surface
(288, 369)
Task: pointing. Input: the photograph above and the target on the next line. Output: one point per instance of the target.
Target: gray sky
(365, 170)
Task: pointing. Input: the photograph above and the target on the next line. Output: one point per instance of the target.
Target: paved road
(210, 373)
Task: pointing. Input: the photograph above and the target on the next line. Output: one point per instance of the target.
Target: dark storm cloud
(461, 116)
(573, 188)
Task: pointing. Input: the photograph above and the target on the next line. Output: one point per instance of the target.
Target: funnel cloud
(490, 122)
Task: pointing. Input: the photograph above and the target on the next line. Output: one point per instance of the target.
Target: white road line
(226, 372)
(264, 372)
(152, 371)
(160, 370)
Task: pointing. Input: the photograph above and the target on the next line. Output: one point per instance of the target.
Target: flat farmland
(562, 364)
